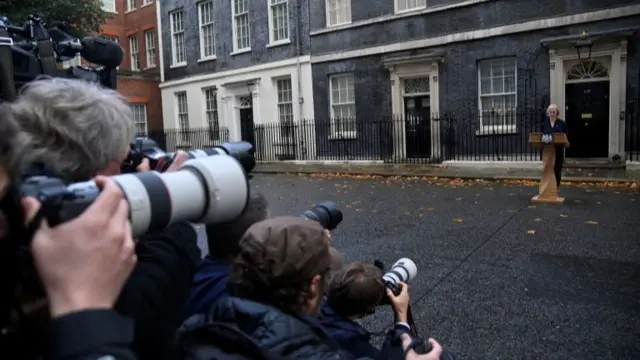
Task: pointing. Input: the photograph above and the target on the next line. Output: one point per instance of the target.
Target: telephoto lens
(402, 271)
(326, 213)
(207, 190)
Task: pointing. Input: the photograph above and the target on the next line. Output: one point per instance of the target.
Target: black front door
(417, 111)
(247, 127)
(587, 116)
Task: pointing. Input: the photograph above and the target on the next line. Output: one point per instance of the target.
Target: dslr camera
(35, 48)
(159, 160)
(402, 270)
(326, 213)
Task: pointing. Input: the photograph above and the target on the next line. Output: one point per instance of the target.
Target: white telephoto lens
(403, 270)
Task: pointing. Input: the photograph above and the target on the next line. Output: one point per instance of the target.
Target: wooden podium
(548, 188)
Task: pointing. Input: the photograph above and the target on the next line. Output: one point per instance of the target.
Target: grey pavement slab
(498, 278)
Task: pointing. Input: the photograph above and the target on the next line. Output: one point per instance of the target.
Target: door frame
(416, 67)
(560, 60)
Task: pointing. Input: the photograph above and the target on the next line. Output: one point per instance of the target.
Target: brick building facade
(435, 59)
(133, 26)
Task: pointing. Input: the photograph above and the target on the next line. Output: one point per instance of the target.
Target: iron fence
(423, 139)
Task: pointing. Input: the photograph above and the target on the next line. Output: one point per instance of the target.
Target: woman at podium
(551, 125)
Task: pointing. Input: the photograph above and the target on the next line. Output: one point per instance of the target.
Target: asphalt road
(498, 278)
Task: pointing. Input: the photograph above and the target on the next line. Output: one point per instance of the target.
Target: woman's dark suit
(558, 127)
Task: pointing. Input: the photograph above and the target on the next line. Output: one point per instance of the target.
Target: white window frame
(150, 48)
(342, 5)
(211, 114)
(404, 6)
(134, 53)
(204, 27)
(284, 98)
(236, 17)
(108, 6)
(280, 35)
(131, 5)
(147, 2)
(182, 117)
(505, 127)
(140, 118)
(335, 132)
(177, 32)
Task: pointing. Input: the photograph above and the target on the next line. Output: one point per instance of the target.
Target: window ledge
(331, 26)
(110, 11)
(145, 5)
(279, 43)
(407, 11)
(344, 136)
(178, 65)
(241, 51)
(208, 58)
(496, 130)
(150, 67)
(130, 11)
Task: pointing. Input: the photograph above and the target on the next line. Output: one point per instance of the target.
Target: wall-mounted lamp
(250, 86)
(583, 46)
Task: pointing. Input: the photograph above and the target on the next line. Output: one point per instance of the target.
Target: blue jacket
(209, 284)
(349, 334)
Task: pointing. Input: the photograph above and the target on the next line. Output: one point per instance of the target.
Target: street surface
(498, 278)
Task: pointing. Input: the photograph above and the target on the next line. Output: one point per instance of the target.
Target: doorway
(247, 127)
(587, 116)
(417, 117)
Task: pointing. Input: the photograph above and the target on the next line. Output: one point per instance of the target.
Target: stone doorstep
(409, 170)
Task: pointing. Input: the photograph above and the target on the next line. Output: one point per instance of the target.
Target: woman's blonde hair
(553, 107)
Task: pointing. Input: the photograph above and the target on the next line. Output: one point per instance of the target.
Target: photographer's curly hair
(12, 143)
(263, 275)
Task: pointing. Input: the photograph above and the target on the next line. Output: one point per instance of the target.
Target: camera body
(402, 270)
(32, 50)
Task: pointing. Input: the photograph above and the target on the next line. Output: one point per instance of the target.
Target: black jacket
(236, 328)
(349, 334)
(157, 290)
(91, 335)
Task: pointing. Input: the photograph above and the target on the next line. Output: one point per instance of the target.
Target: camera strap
(412, 322)
(7, 84)
(47, 57)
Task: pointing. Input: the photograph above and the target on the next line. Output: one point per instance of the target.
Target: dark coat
(349, 334)
(236, 328)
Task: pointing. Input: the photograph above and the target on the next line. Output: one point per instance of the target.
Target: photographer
(210, 282)
(78, 130)
(354, 291)
(276, 285)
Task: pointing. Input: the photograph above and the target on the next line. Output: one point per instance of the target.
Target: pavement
(498, 278)
(443, 171)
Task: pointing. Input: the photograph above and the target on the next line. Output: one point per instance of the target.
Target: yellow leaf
(531, 232)
(457, 220)
(564, 216)
(591, 222)
(458, 198)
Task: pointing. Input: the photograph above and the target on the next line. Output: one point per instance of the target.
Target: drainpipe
(298, 54)
(159, 32)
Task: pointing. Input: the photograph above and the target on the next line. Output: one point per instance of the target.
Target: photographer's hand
(83, 263)
(434, 354)
(400, 303)
(179, 158)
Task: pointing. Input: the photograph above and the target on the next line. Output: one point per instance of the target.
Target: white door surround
(412, 67)
(613, 56)
(232, 101)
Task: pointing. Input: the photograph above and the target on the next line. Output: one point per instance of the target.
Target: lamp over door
(583, 46)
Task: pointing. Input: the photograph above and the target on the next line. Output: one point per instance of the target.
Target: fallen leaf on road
(511, 211)
(430, 209)
(457, 220)
(591, 222)
(577, 201)
(564, 216)
(458, 199)
(537, 219)
(531, 232)
(531, 206)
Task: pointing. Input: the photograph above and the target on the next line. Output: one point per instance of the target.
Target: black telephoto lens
(326, 213)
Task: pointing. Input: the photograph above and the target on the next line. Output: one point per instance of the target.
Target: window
(343, 106)
(133, 51)
(285, 107)
(183, 116)
(140, 118)
(131, 5)
(241, 40)
(410, 5)
(338, 12)
(211, 110)
(207, 32)
(150, 46)
(497, 92)
(147, 2)
(108, 5)
(278, 20)
(178, 49)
